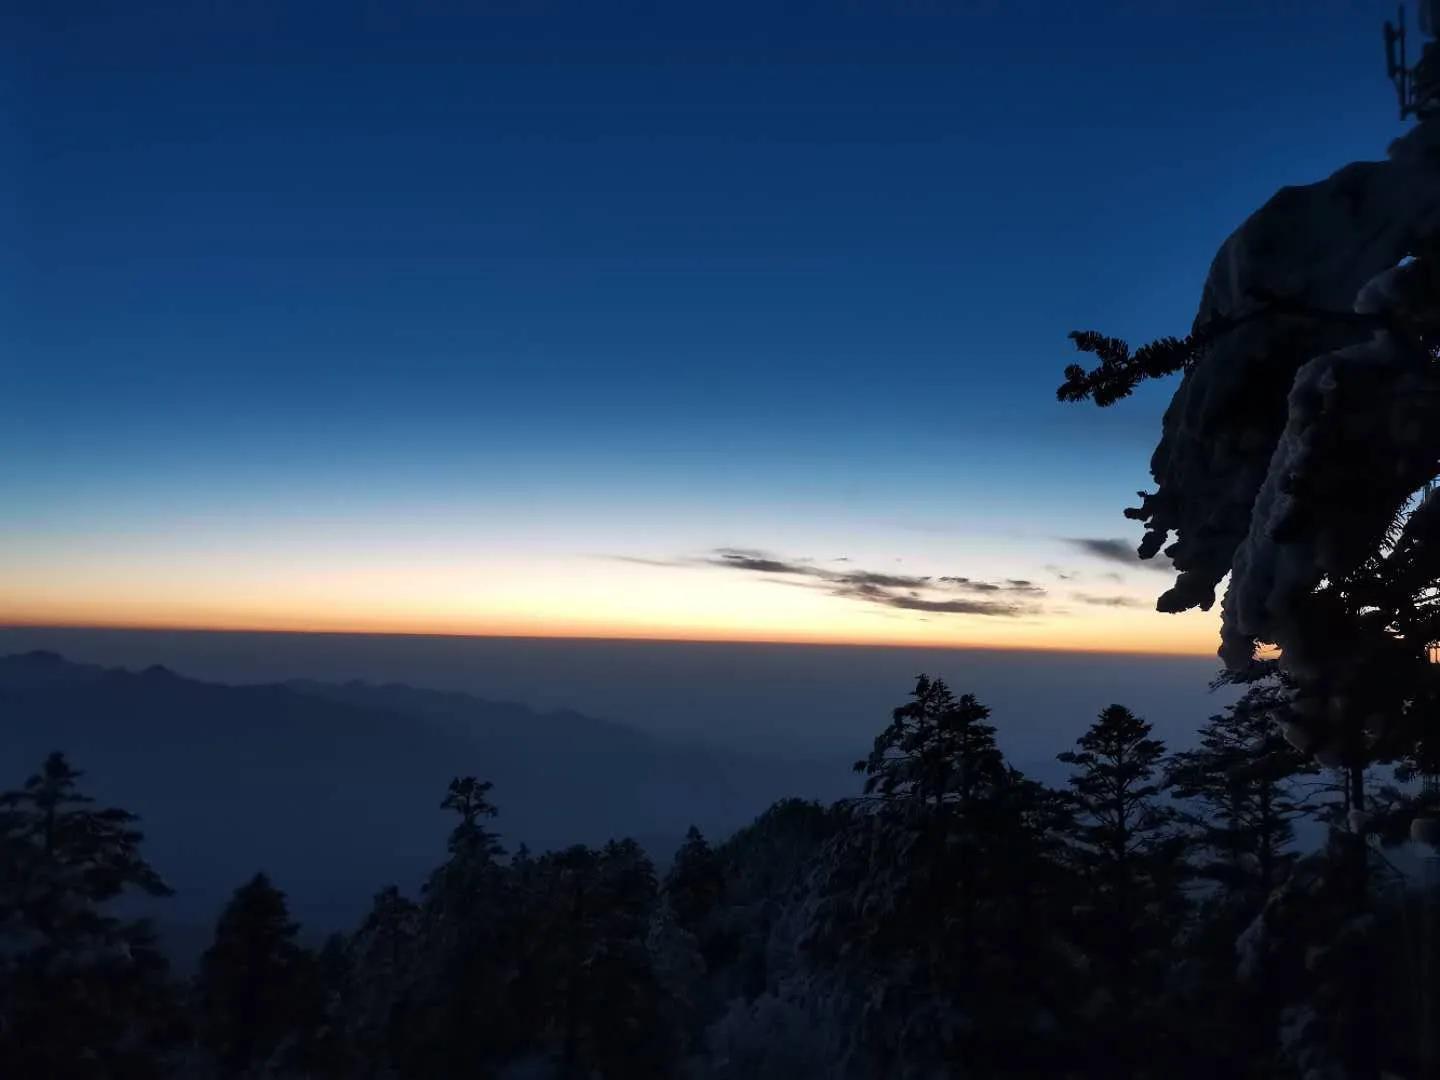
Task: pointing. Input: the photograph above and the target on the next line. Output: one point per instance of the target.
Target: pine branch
(1120, 370)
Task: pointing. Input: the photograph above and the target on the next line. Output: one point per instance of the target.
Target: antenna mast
(1417, 89)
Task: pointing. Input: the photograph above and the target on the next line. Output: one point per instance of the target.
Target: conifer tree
(1126, 849)
(1239, 781)
(915, 897)
(767, 857)
(460, 1017)
(695, 883)
(63, 858)
(764, 864)
(626, 1036)
(937, 753)
(938, 766)
(383, 963)
(256, 983)
(469, 798)
(597, 990)
(383, 941)
(80, 989)
(326, 1048)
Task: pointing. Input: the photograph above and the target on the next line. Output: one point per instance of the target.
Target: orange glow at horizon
(1147, 644)
(511, 594)
(1131, 632)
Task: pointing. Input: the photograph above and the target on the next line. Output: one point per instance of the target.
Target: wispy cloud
(758, 561)
(915, 602)
(641, 561)
(1114, 549)
(949, 594)
(1106, 601)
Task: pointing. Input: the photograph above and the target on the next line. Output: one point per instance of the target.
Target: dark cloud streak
(639, 560)
(1010, 598)
(1106, 601)
(1114, 549)
(759, 562)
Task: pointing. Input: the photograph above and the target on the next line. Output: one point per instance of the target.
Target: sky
(701, 321)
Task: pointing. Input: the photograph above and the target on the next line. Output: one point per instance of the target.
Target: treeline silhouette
(1298, 470)
(1154, 917)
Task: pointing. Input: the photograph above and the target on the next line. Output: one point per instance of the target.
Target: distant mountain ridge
(41, 668)
(334, 789)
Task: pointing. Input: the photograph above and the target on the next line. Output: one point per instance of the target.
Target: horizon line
(641, 638)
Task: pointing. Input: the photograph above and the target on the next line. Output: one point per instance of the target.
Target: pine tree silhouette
(82, 991)
(469, 798)
(938, 763)
(695, 883)
(1126, 848)
(1239, 781)
(460, 1017)
(255, 983)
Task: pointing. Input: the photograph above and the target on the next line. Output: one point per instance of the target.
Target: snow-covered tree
(938, 753)
(1298, 458)
(936, 769)
(1298, 443)
(927, 904)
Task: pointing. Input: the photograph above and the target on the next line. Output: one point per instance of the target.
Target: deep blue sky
(449, 301)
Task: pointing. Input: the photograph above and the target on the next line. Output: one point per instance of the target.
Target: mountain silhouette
(333, 790)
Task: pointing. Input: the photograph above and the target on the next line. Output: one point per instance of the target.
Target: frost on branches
(1306, 426)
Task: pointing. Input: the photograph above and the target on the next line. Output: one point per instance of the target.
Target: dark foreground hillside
(955, 918)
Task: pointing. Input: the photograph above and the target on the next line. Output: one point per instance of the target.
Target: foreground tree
(1300, 450)
(597, 1002)
(82, 992)
(258, 990)
(938, 768)
(470, 841)
(1241, 801)
(381, 975)
(456, 1013)
(1126, 850)
(919, 897)
(695, 883)
(1299, 458)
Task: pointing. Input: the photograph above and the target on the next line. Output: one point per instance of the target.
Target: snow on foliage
(1297, 450)
(1287, 417)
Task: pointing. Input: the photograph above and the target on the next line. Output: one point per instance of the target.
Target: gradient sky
(629, 319)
